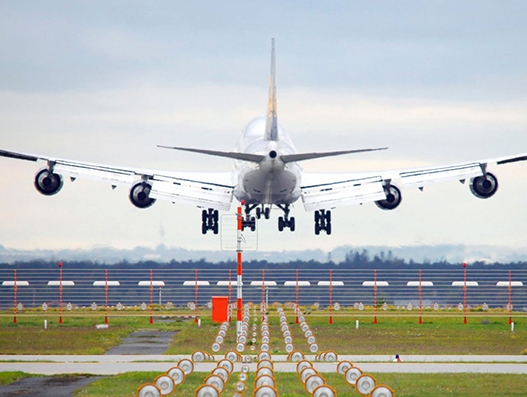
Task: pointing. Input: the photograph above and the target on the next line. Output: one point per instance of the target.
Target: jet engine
(139, 194)
(393, 198)
(484, 186)
(47, 182)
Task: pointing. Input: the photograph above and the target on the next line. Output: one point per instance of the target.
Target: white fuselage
(271, 181)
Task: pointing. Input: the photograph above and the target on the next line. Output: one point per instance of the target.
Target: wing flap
(195, 193)
(331, 195)
(428, 176)
(98, 173)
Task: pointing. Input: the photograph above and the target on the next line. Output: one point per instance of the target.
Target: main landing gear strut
(285, 221)
(322, 221)
(209, 221)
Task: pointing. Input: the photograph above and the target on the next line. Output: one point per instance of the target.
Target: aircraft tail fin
(271, 128)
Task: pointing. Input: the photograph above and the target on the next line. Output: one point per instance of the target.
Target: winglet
(271, 128)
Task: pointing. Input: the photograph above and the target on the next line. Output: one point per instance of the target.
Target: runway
(116, 364)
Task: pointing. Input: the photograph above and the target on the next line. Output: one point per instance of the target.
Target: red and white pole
(263, 306)
(14, 299)
(420, 297)
(229, 312)
(239, 273)
(60, 292)
(465, 292)
(151, 296)
(296, 307)
(375, 297)
(196, 288)
(510, 297)
(331, 296)
(106, 296)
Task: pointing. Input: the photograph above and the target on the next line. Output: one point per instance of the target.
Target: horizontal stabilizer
(255, 158)
(19, 156)
(288, 158)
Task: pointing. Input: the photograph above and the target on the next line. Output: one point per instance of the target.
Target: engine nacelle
(393, 198)
(484, 186)
(47, 182)
(139, 194)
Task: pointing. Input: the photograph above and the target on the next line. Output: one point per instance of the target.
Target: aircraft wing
(331, 190)
(203, 189)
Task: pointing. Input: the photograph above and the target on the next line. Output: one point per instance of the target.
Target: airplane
(266, 175)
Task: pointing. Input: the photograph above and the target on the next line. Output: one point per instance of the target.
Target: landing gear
(209, 221)
(265, 211)
(250, 221)
(284, 221)
(322, 221)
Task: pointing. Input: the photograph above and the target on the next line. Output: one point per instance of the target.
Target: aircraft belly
(265, 188)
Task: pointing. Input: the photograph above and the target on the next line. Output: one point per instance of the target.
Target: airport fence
(317, 289)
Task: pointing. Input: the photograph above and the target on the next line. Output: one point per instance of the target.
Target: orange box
(220, 309)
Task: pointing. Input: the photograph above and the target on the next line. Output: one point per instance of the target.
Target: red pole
(196, 299)
(262, 307)
(230, 295)
(14, 292)
(239, 270)
(151, 296)
(375, 297)
(465, 292)
(296, 307)
(510, 297)
(60, 292)
(420, 297)
(106, 296)
(331, 296)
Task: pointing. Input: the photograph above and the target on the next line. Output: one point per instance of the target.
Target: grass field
(289, 385)
(486, 334)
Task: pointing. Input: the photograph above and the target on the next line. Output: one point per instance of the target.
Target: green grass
(10, 377)
(485, 333)
(289, 385)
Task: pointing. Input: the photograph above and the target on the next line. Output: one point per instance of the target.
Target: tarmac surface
(116, 364)
(46, 386)
(143, 342)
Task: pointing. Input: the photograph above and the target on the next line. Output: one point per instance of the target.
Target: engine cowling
(484, 186)
(139, 194)
(393, 198)
(47, 182)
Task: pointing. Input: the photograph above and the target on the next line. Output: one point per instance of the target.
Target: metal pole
(196, 299)
(420, 298)
(151, 296)
(160, 296)
(60, 292)
(263, 309)
(510, 297)
(465, 292)
(375, 297)
(239, 271)
(296, 307)
(106, 296)
(14, 292)
(331, 296)
(229, 313)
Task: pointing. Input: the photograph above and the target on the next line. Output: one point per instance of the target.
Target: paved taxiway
(115, 364)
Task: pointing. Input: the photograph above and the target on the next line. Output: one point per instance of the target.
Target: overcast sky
(436, 81)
